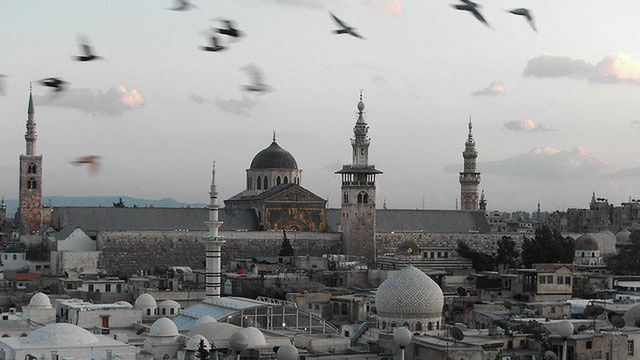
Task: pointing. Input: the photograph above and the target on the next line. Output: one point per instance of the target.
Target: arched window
(365, 198)
(148, 312)
(171, 311)
(23, 335)
(32, 184)
(286, 179)
(593, 254)
(31, 169)
(406, 324)
(583, 254)
(266, 183)
(278, 180)
(360, 198)
(164, 311)
(418, 326)
(429, 326)
(259, 182)
(298, 180)
(346, 198)
(438, 325)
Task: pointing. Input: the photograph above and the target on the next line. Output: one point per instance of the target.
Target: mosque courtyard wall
(487, 243)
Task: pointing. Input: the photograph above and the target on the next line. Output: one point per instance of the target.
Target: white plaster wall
(118, 318)
(78, 261)
(77, 241)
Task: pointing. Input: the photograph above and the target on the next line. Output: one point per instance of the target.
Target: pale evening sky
(556, 113)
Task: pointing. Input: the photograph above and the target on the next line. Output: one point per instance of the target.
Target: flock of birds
(230, 30)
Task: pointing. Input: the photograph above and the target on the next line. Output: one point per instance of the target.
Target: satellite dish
(617, 321)
(456, 333)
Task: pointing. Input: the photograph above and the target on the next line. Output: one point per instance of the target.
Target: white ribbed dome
(203, 320)
(255, 337)
(194, 343)
(163, 327)
(409, 293)
(169, 304)
(39, 300)
(60, 334)
(145, 301)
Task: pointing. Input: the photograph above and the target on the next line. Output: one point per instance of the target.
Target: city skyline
(552, 112)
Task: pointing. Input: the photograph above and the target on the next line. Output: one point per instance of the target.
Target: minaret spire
(30, 136)
(469, 177)
(274, 136)
(213, 243)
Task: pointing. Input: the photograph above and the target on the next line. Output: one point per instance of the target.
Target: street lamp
(564, 329)
(402, 338)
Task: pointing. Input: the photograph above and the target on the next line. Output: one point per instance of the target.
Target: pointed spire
(213, 173)
(470, 128)
(274, 136)
(30, 108)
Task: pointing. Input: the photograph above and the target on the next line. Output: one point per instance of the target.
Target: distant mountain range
(104, 201)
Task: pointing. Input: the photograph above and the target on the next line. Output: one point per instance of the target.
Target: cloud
(612, 69)
(544, 163)
(526, 125)
(495, 88)
(240, 106)
(198, 99)
(113, 102)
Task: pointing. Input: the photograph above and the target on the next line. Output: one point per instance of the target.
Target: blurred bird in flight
(527, 15)
(346, 29)
(472, 7)
(93, 161)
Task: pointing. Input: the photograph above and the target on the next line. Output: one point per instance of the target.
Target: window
(553, 309)
(278, 180)
(346, 198)
(148, 312)
(543, 279)
(567, 280)
(583, 254)
(15, 257)
(69, 286)
(549, 279)
(593, 254)
(119, 287)
(90, 287)
(31, 169)
(266, 183)
(259, 182)
(171, 311)
(630, 347)
(359, 198)
(286, 179)
(589, 344)
(365, 198)
(560, 280)
(164, 311)
(32, 184)
(418, 326)
(107, 287)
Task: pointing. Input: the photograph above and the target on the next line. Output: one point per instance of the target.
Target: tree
(481, 261)
(286, 249)
(507, 253)
(202, 352)
(548, 246)
(119, 204)
(627, 260)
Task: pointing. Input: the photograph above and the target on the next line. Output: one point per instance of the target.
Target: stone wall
(487, 243)
(127, 252)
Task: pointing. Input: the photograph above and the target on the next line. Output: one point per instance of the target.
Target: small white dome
(239, 341)
(124, 303)
(203, 320)
(163, 327)
(622, 237)
(215, 331)
(169, 304)
(254, 336)
(60, 334)
(40, 300)
(409, 293)
(145, 301)
(287, 352)
(194, 343)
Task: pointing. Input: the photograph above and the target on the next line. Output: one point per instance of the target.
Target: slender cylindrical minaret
(214, 244)
(31, 136)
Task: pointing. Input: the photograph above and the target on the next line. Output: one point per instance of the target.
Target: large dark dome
(274, 157)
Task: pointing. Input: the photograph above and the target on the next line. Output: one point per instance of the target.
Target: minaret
(214, 244)
(538, 214)
(3, 210)
(469, 178)
(30, 210)
(483, 202)
(359, 195)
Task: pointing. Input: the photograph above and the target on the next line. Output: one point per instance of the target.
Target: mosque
(273, 199)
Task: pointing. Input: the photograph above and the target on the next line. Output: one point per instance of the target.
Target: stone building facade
(469, 178)
(358, 220)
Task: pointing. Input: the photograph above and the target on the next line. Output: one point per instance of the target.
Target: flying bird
(346, 29)
(86, 50)
(214, 45)
(256, 75)
(527, 14)
(55, 83)
(93, 161)
(229, 29)
(472, 7)
(183, 5)
(3, 90)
